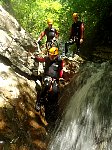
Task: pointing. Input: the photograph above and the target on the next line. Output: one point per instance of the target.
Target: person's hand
(61, 79)
(70, 40)
(81, 41)
(32, 57)
(38, 41)
(54, 39)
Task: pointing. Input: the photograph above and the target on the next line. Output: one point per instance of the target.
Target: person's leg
(48, 45)
(41, 97)
(52, 106)
(78, 46)
(67, 45)
(55, 90)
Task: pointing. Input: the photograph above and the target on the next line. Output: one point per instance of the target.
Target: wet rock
(21, 127)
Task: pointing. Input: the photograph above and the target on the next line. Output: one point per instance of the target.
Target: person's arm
(41, 36)
(56, 33)
(40, 59)
(82, 33)
(71, 33)
(61, 69)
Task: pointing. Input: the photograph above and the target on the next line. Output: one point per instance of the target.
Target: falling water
(87, 120)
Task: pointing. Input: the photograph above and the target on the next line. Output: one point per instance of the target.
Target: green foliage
(32, 15)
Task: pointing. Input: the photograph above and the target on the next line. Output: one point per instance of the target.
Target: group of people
(76, 34)
(53, 62)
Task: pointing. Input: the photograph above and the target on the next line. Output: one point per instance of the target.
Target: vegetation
(96, 14)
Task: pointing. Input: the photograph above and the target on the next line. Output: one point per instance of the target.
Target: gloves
(81, 41)
(61, 79)
(32, 56)
(38, 41)
(70, 40)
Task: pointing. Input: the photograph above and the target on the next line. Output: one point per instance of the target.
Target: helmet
(49, 21)
(53, 51)
(75, 15)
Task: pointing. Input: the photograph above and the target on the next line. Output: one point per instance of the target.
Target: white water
(85, 124)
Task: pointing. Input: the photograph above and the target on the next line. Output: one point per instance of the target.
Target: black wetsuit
(50, 33)
(52, 72)
(75, 36)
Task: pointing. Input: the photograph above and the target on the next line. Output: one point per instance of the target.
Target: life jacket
(50, 33)
(76, 30)
(53, 68)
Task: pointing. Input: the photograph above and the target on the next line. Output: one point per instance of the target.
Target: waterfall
(87, 120)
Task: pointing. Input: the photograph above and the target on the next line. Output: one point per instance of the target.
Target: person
(53, 71)
(51, 34)
(76, 34)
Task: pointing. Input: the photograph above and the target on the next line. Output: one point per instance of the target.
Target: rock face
(18, 118)
(15, 42)
(21, 127)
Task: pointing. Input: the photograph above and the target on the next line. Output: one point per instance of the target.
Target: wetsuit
(50, 33)
(53, 69)
(76, 34)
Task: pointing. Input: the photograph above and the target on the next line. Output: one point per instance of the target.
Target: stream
(87, 120)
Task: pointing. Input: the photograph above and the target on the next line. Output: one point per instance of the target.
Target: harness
(52, 68)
